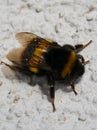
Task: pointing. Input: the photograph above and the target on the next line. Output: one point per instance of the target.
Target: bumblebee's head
(78, 70)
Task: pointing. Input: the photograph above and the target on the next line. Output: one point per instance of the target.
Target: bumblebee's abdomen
(28, 52)
(33, 54)
(37, 57)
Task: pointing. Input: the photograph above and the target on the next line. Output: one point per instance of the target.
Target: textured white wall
(25, 107)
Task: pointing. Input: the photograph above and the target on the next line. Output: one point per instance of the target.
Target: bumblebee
(41, 56)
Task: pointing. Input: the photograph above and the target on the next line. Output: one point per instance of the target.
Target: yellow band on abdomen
(37, 55)
(35, 70)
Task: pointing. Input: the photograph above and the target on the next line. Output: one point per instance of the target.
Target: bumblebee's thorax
(61, 61)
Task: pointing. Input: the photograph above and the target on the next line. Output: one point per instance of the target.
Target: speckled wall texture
(26, 107)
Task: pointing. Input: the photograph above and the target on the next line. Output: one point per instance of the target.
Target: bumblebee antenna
(84, 46)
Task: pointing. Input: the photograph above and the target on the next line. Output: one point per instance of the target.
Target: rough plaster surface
(25, 107)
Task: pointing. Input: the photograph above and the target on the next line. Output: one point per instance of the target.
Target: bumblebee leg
(52, 96)
(82, 59)
(51, 83)
(80, 47)
(14, 67)
(17, 68)
(73, 88)
(31, 81)
(10, 66)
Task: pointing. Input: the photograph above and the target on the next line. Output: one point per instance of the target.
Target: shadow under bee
(11, 72)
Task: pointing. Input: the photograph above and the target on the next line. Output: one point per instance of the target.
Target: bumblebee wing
(15, 55)
(25, 37)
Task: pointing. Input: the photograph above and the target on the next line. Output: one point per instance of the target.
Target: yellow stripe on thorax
(70, 63)
(37, 56)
